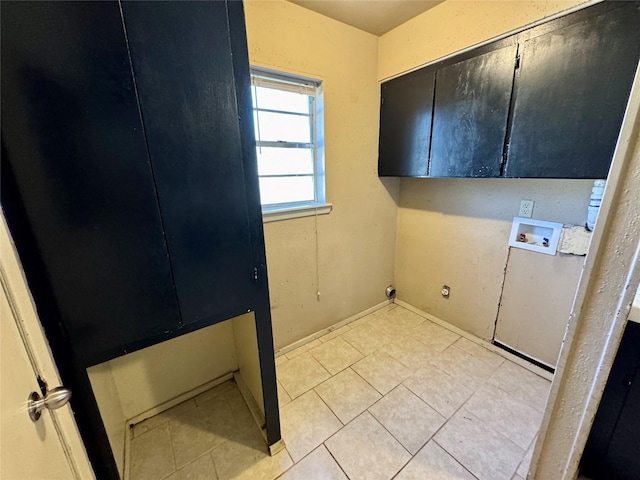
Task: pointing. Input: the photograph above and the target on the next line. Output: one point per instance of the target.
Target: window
(287, 115)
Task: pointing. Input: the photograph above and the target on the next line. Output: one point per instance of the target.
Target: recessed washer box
(535, 231)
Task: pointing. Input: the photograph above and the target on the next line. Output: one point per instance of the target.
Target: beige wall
(157, 374)
(356, 240)
(455, 25)
(110, 406)
(455, 232)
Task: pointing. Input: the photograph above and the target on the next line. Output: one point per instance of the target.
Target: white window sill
(276, 215)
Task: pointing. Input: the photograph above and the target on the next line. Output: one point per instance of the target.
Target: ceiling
(373, 16)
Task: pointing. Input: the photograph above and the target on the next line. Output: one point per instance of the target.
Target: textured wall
(456, 25)
(455, 231)
(356, 240)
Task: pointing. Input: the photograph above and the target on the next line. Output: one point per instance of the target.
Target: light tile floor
(391, 395)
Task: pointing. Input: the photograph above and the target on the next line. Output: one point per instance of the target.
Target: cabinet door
(470, 115)
(405, 124)
(183, 68)
(77, 185)
(571, 93)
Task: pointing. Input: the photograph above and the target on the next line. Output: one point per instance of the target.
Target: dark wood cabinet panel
(75, 165)
(611, 451)
(129, 182)
(183, 67)
(470, 115)
(571, 91)
(405, 124)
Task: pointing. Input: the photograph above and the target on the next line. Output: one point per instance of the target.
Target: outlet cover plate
(526, 208)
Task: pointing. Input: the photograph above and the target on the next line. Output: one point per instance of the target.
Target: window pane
(286, 190)
(276, 127)
(282, 161)
(279, 100)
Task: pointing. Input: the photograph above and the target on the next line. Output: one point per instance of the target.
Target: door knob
(54, 398)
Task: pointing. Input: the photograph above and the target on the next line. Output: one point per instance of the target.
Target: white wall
(455, 231)
(356, 240)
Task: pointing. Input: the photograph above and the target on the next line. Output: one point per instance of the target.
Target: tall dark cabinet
(129, 182)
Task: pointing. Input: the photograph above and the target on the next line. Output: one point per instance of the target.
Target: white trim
(295, 212)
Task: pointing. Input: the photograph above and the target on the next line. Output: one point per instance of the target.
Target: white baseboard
(489, 346)
(333, 327)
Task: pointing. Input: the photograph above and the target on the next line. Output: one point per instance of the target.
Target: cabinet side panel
(405, 124)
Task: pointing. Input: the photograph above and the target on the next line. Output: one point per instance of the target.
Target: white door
(50, 448)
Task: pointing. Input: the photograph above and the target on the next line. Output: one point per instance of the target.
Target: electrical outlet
(446, 290)
(526, 208)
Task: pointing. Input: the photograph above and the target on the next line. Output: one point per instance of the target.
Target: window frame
(313, 88)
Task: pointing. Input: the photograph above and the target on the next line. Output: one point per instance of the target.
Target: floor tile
(382, 371)
(280, 359)
(200, 469)
(318, 465)
(478, 351)
(433, 463)
(523, 384)
(335, 333)
(195, 432)
(410, 352)
(162, 417)
(347, 395)
(240, 410)
(386, 309)
(151, 455)
(512, 418)
(362, 320)
(365, 450)
(301, 374)
(246, 457)
(307, 422)
(523, 468)
(517, 477)
(463, 366)
(283, 396)
(210, 394)
(434, 336)
(302, 349)
(479, 448)
(441, 391)
(411, 421)
(366, 338)
(336, 355)
(398, 321)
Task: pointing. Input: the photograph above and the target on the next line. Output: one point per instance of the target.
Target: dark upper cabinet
(470, 115)
(405, 124)
(571, 92)
(554, 112)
